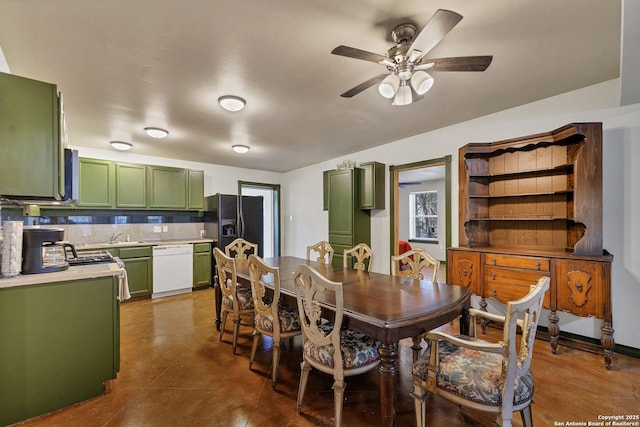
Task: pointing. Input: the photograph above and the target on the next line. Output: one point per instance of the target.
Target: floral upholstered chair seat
(358, 350)
(288, 316)
(243, 297)
(473, 375)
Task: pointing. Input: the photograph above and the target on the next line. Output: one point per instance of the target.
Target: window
(423, 216)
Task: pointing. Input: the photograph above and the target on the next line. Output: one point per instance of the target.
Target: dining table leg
(388, 381)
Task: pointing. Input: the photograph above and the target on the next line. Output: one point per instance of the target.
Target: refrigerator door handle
(240, 218)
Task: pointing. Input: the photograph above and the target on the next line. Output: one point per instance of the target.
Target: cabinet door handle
(493, 277)
(464, 272)
(538, 265)
(495, 261)
(494, 293)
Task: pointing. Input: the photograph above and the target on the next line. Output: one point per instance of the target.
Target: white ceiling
(123, 65)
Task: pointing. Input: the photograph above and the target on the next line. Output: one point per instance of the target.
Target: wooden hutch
(529, 207)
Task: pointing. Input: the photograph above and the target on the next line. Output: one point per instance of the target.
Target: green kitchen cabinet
(138, 261)
(97, 183)
(196, 189)
(202, 265)
(131, 185)
(31, 138)
(60, 344)
(348, 225)
(167, 187)
(372, 185)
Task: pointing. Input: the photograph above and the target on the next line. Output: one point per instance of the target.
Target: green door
(138, 263)
(196, 189)
(201, 265)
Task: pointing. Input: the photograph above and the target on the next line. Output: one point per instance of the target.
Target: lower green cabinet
(60, 343)
(139, 265)
(202, 265)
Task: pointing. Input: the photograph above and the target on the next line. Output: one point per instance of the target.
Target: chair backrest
(416, 259)
(308, 282)
(524, 313)
(227, 276)
(257, 270)
(363, 255)
(324, 249)
(239, 248)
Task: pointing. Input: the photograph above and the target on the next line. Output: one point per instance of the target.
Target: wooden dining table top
(381, 300)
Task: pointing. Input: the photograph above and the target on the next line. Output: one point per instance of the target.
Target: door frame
(394, 171)
(276, 208)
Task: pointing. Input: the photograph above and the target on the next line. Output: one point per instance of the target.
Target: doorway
(421, 200)
(271, 209)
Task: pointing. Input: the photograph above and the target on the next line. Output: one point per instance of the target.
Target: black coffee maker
(44, 250)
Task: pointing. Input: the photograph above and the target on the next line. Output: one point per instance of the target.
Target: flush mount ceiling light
(154, 132)
(121, 145)
(232, 102)
(238, 148)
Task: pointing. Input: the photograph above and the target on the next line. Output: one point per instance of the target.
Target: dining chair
(416, 260)
(492, 377)
(236, 299)
(271, 317)
(326, 345)
(363, 255)
(324, 249)
(239, 248)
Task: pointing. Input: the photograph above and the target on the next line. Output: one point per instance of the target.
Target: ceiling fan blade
(364, 85)
(438, 26)
(352, 52)
(459, 63)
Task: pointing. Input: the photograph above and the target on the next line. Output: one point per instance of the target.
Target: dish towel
(123, 293)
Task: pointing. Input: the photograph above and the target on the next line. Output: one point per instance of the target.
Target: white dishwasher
(172, 270)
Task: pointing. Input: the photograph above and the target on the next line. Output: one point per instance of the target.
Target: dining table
(386, 307)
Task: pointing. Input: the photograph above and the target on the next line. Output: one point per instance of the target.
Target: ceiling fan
(406, 60)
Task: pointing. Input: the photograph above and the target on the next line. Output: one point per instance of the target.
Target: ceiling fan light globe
(421, 82)
(389, 86)
(403, 96)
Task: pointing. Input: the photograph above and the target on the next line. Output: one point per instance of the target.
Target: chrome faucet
(114, 237)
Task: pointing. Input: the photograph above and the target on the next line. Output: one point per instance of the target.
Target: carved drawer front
(508, 284)
(580, 288)
(524, 262)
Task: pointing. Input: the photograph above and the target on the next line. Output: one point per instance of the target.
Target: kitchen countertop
(147, 242)
(76, 272)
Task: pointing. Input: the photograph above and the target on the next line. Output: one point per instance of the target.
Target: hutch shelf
(532, 206)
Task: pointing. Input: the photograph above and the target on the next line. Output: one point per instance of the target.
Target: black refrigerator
(228, 217)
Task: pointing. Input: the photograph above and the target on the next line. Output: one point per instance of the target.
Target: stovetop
(91, 257)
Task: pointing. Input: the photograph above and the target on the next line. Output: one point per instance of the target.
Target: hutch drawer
(527, 263)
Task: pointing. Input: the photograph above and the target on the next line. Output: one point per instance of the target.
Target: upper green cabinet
(105, 184)
(370, 180)
(196, 189)
(167, 187)
(97, 183)
(31, 144)
(131, 186)
(372, 185)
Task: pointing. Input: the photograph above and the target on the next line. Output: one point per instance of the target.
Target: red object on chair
(403, 246)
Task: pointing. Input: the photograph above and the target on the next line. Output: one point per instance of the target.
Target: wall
(306, 221)
(437, 250)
